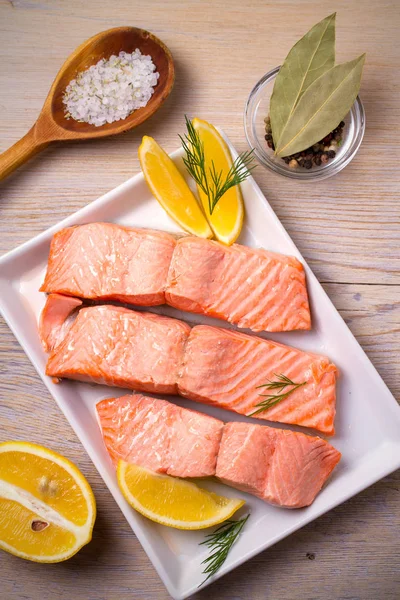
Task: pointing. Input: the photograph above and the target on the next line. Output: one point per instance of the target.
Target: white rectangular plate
(368, 417)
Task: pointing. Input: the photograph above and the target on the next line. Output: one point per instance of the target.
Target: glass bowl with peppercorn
(321, 160)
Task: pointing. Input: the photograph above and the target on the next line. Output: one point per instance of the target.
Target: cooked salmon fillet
(225, 368)
(251, 288)
(110, 262)
(147, 352)
(282, 467)
(160, 436)
(120, 347)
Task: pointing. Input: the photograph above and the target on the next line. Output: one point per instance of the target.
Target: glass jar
(257, 108)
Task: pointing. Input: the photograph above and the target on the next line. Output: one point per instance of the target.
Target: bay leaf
(309, 58)
(322, 106)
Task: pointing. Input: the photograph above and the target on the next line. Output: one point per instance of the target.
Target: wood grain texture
(347, 227)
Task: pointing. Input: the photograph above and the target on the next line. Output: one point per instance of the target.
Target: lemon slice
(227, 218)
(171, 189)
(171, 501)
(47, 508)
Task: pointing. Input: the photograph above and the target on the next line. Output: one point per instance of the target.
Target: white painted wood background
(347, 228)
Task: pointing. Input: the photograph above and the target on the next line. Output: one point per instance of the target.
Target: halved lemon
(226, 219)
(170, 188)
(171, 501)
(47, 508)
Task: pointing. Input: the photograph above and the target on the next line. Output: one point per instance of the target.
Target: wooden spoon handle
(20, 152)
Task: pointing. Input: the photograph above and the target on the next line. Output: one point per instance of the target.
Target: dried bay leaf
(309, 58)
(322, 106)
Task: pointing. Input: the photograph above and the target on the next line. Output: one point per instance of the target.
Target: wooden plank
(347, 227)
(358, 540)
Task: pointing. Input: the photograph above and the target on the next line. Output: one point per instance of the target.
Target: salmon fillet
(110, 262)
(224, 368)
(120, 347)
(251, 288)
(282, 467)
(147, 352)
(160, 436)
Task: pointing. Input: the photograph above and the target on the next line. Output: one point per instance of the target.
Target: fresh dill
(280, 386)
(213, 183)
(220, 542)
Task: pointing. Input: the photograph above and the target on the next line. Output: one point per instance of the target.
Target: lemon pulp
(47, 508)
(170, 188)
(172, 501)
(226, 220)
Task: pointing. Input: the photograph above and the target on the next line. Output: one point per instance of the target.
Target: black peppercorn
(317, 154)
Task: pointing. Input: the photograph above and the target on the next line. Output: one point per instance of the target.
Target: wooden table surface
(347, 228)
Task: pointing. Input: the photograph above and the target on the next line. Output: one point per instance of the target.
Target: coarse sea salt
(112, 89)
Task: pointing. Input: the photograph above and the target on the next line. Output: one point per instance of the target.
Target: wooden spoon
(52, 126)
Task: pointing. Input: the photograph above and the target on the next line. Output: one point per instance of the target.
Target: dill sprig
(214, 184)
(220, 542)
(272, 399)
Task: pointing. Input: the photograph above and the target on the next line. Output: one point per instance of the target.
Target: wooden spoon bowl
(52, 125)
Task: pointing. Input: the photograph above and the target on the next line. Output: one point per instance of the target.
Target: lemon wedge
(171, 501)
(226, 221)
(47, 508)
(170, 188)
